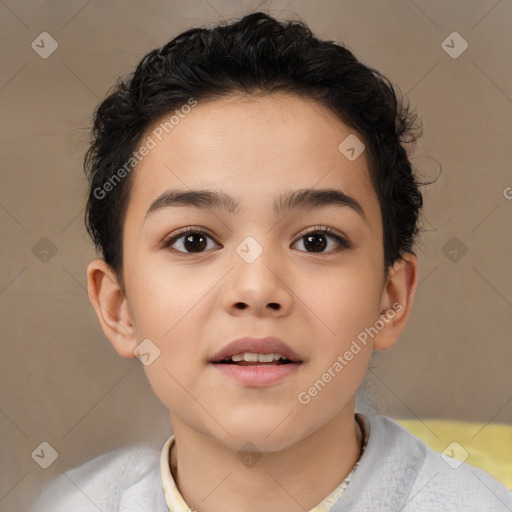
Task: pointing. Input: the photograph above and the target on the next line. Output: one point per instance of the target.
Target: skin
(254, 148)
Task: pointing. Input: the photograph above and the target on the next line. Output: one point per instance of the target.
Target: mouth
(257, 362)
(252, 351)
(254, 374)
(252, 359)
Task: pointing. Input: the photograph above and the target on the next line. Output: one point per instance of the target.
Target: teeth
(265, 358)
(260, 358)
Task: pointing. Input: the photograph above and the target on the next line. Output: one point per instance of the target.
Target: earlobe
(397, 300)
(111, 307)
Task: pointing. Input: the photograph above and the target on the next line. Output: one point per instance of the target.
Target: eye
(317, 239)
(192, 240)
(188, 241)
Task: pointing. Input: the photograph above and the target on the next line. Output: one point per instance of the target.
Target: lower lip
(257, 376)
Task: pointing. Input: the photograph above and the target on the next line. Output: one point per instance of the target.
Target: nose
(257, 288)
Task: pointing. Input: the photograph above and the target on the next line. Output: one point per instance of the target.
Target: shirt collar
(176, 503)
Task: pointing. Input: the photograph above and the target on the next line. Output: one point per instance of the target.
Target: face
(197, 278)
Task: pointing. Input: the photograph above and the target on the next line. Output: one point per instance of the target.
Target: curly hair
(254, 55)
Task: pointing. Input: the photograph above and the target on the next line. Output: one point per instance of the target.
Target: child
(256, 212)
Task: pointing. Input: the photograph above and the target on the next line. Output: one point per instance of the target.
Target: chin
(268, 432)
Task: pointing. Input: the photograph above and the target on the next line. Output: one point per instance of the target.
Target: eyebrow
(291, 200)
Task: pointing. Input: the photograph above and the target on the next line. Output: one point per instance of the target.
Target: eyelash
(344, 243)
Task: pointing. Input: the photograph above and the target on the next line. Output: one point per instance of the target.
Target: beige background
(61, 381)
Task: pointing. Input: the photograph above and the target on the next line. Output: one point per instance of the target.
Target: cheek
(345, 300)
(342, 309)
(168, 297)
(169, 314)
(168, 309)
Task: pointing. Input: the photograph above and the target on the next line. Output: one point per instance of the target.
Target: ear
(396, 301)
(111, 307)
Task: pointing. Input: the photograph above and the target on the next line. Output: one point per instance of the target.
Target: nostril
(243, 305)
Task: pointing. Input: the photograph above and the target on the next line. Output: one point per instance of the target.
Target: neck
(210, 476)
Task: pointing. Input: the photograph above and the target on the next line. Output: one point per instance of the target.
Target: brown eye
(317, 240)
(189, 242)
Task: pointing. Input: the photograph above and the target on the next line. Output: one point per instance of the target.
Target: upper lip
(266, 345)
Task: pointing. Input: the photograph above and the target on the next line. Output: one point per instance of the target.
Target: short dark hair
(254, 55)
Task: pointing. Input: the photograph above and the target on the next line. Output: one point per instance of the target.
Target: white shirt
(396, 472)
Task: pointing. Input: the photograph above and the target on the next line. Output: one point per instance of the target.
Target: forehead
(253, 148)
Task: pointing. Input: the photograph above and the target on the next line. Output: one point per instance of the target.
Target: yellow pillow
(486, 446)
